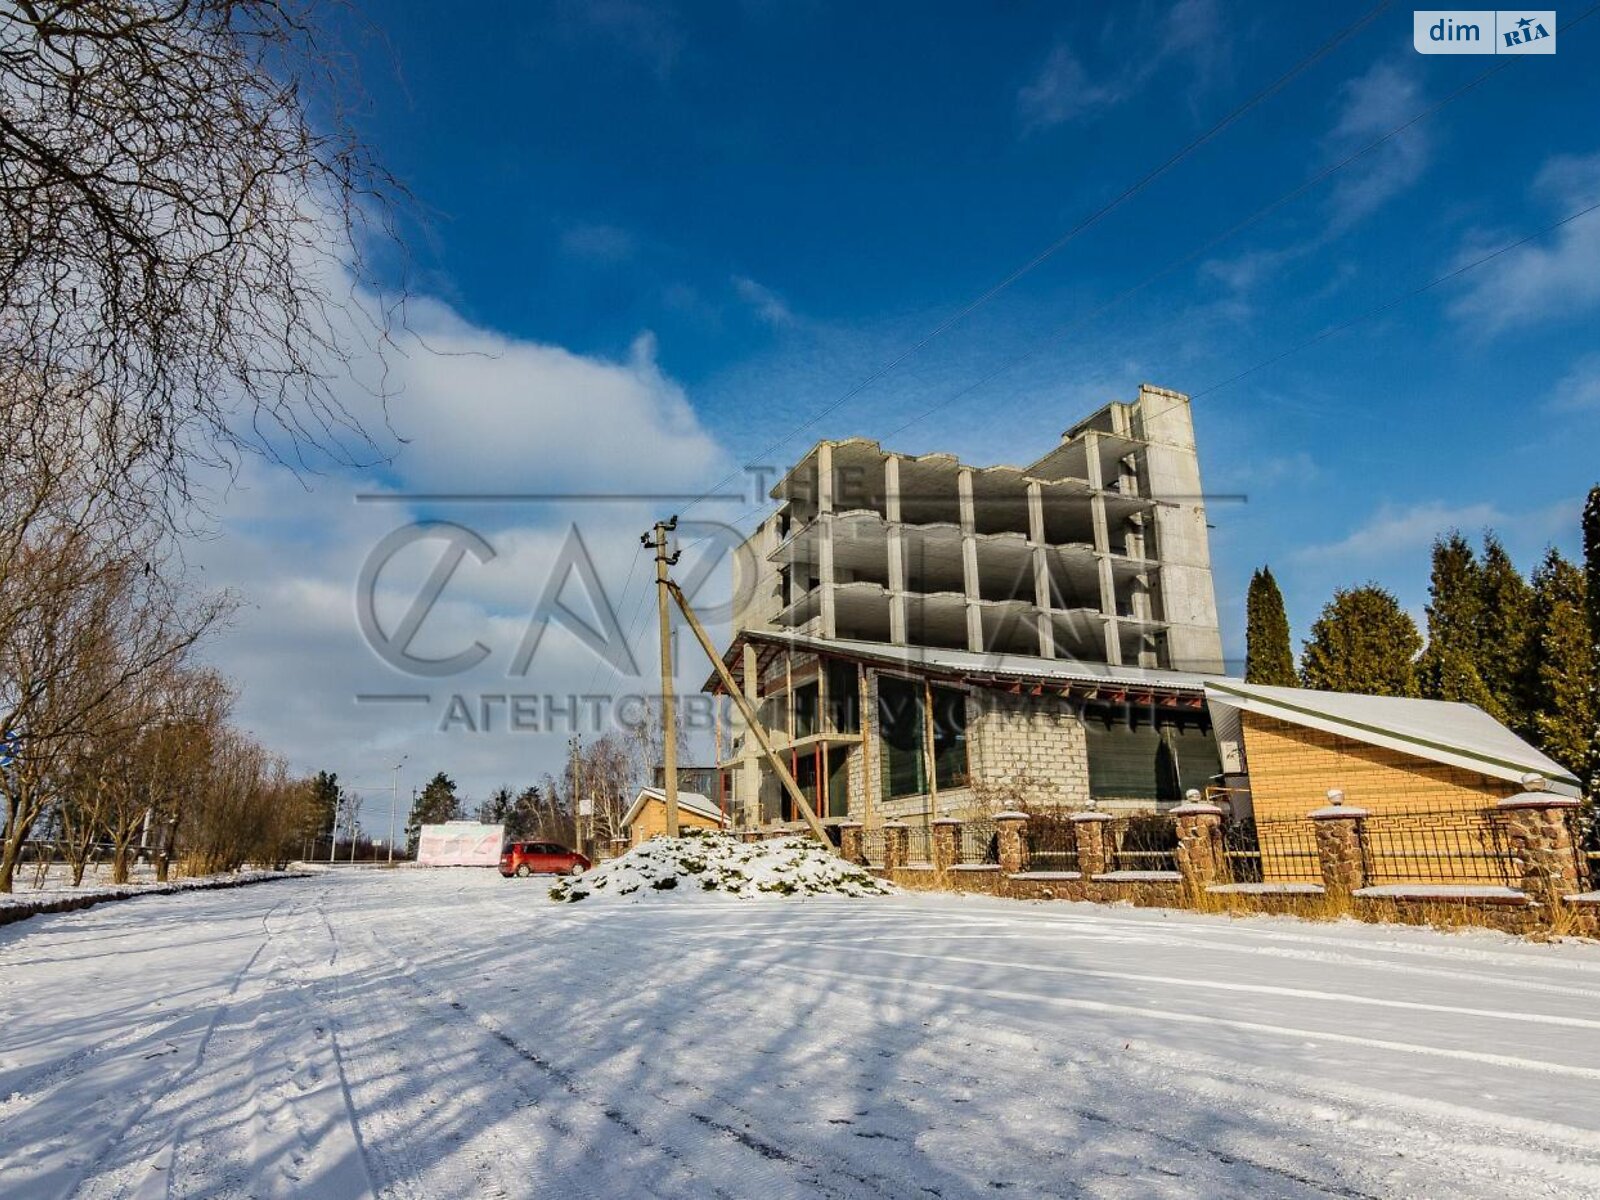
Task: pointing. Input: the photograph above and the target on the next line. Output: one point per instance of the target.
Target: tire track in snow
(571, 1085)
(827, 1177)
(150, 1094)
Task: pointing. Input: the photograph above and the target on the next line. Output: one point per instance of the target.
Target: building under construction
(924, 637)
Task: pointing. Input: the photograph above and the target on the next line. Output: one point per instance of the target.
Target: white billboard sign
(459, 844)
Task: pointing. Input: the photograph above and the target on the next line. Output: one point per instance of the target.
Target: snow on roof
(692, 801)
(986, 663)
(1462, 735)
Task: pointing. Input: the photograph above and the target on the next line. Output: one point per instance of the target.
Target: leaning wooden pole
(750, 717)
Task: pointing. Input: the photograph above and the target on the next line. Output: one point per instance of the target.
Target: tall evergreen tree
(1448, 669)
(435, 804)
(325, 802)
(1563, 667)
(1505, 635)
(1268, 655)
(1591, 577)
(1363, 642)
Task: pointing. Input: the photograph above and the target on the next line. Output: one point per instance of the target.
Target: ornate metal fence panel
(980, 842)
(1288, 850)
(1051, 844)
(872, 843)
(1144, 842)
(1465, 846)
(919, 844)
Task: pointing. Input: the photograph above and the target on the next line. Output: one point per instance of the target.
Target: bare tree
(88, 628)
(187, 227)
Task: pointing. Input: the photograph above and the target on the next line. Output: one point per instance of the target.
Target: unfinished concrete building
(1078, 577)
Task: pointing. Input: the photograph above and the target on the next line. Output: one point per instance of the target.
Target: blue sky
(726, 216)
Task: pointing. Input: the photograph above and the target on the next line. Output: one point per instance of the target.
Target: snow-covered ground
(55, 883)
(451, 1033)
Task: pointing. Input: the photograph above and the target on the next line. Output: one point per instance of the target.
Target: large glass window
(1151, 756)
(844, 697)
(902, 725)
(949, 737)
(807, 705)
(900, 735)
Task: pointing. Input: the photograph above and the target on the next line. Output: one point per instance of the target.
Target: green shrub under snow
(712, 865)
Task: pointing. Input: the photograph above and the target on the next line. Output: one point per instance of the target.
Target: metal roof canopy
(1017, 673)
(1460, 735)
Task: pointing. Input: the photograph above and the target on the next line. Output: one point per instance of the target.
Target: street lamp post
(394, 802)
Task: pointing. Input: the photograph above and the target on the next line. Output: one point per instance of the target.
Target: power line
(1294, 193)
(1084, 224)
(1380, 309)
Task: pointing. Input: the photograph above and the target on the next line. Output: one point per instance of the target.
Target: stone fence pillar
(1200, 856)
(750, 835)
(1089, 830)
(619, 847)
(850, 841)
(1541, 840)
(1009, 830)
(946, 843)
(896, 844)
(1339, 852)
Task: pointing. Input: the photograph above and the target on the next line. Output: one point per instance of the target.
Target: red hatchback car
(541, 858)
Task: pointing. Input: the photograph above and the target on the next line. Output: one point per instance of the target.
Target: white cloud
(1192, 33)
(1371, 105)
(649, 32)
(1554, 277)
(1063, 91)
(1395, 530)
(1405, 532)
(480, 412)
(490, 412)
(768, 305)
(1579, 388)
(598, 242)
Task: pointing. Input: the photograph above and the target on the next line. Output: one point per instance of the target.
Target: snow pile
(717, 865)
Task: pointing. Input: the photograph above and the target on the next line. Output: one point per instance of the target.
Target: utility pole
(657, 540)
(575, 785)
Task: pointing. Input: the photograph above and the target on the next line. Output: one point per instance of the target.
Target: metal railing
(919, 844)
(980, 842)
(1143, 842)
(872, 846)
(1050, 844)
(1466, 846)
(1282, 850)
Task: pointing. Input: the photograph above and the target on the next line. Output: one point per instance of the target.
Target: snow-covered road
(438, 1034)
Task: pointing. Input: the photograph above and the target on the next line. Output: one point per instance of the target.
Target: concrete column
(1011, 826)
(1200, 855)
(825, 544)
(1541, 839)
(895, 550)
(749, 751)
(896, 844)
(946, 843)
(1102, 548)
(1041, 569)
(1089, 828)
(850, 842)
(1339, 852)
(969, 558)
